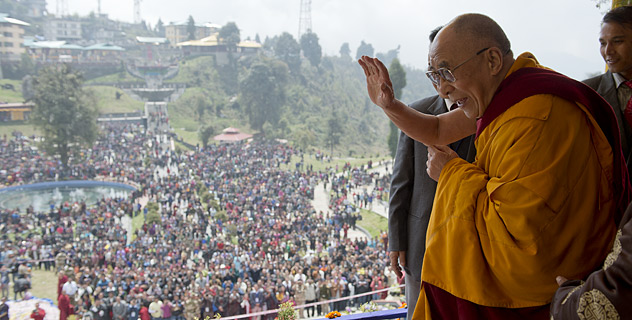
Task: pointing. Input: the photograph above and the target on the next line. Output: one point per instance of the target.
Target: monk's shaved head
(480, 31)
(475, 51)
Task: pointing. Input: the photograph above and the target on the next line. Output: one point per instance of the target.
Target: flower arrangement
(368, 307)
(333, 314)
(286, 311)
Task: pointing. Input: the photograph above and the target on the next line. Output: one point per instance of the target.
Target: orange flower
(333, 314)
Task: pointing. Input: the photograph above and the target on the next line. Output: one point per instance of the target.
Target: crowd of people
(237, 232)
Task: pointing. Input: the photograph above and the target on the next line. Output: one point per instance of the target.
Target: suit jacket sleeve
(607, 290)
(401, 192)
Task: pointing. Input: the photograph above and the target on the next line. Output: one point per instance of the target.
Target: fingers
(560, 280)
(372, 66)
(402, 258)
(364, 66)
(394, 255)
(381, 69)
(445, 149)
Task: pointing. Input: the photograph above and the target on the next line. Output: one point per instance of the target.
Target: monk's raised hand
(378, 81)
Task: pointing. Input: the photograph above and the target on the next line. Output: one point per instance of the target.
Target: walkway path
(321, 202)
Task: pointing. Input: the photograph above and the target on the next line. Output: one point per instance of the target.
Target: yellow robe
(536, 203)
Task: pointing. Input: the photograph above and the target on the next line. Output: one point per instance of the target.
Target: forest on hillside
(321, 105)
(288, 90)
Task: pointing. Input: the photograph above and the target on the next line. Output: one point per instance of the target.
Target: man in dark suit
(616, 49)
(412, 193)
(609, 286)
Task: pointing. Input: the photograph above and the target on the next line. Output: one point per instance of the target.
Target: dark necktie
(627, 113)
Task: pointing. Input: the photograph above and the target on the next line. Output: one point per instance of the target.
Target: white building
(59, 29)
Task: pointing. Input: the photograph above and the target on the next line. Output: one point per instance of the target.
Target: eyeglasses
(446, 74)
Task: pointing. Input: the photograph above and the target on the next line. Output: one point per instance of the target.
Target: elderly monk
(542, 197)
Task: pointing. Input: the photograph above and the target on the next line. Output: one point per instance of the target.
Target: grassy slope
(372, 222)
(107, 102)
(114, 78)
(104, 95)
(7, 95)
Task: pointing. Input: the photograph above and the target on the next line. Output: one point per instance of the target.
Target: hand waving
(378, 81)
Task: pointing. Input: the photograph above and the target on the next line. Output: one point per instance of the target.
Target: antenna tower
(137, 17)
(62, 8)
(305, 19)
(99, 8)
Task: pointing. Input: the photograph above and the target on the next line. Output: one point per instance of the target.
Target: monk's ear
(494, 60)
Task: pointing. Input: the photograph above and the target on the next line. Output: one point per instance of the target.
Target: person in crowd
(4, 280)
(155, 308)
(144, 313)
(65, 308)
(509, 217)
(38, 313)
(119, 309)
(182, 251)
(4, 309)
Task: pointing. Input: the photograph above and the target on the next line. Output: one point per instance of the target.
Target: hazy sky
(561, 33)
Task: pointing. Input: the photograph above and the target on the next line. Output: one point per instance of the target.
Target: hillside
(311, 97)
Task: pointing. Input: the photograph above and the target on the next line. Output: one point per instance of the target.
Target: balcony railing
(398, 313)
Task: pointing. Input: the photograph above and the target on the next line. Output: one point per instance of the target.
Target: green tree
(153, 216)
(27, 66)
(311, 49)
(205, 134)
(284, 127)
(229, 34)
(304, 137)
(288, 50)
(365, 49)
(262, 94)
(334, 131)
(160, 28)
(345, 52)
(388, 57)
(200, 104)
(191, 28)
(63, 112)
(398, 79)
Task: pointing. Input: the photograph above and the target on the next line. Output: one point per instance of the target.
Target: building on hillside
(154, 41)
(54, 51)
(11, 38)
(213, 45)
(177, 32)
(15, 111)
(230, 135)
(62, 29)
(60, 51)
(152, 46)
(102, 52)
(114, 36)
(37, 8)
